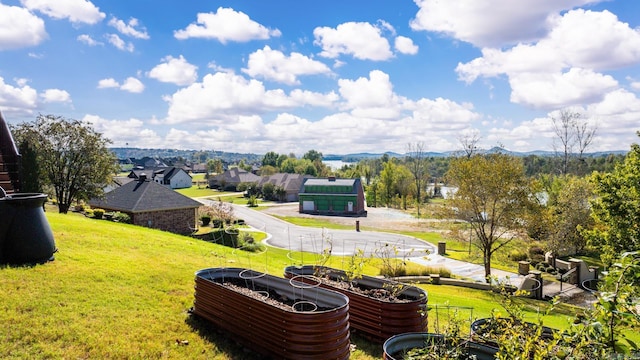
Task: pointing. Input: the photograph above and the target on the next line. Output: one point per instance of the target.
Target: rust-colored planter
(375, 318)
(296, 332)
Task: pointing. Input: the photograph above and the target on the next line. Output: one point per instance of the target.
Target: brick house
(331, 196)
(151, 205)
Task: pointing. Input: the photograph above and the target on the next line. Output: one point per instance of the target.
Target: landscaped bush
(246, 242)
(517, 255)
(122, 217)
(428, 270)
(88, 212)
(79, 207)
(98, 213)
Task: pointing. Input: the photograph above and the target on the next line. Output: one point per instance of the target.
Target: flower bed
(280, 318)
(426, 346)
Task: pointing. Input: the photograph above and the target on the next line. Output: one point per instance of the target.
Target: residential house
(173, 177)
(331, 196)
(230, 179)
(291, 184)
(151, 205)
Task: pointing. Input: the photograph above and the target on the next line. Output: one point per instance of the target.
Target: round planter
(25, 234)
(397, 345)
(478, 329)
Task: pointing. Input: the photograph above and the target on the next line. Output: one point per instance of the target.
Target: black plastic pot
(396, 345)
(25, 234)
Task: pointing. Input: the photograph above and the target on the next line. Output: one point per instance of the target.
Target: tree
(73, 158)
(270, 158)
(571, 131)
(388, 181)
(616, 208)
(569, 213)
(493, 195)
(417, 165)
(404, 184)
(469, 143)
(215, 166)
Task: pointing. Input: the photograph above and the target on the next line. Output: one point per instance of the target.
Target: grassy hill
(118, 291)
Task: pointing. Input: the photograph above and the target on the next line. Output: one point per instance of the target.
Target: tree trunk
(487, 265)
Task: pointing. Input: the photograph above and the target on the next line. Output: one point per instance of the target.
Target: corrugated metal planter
(396, 346)
(315, 326)
(375, 318)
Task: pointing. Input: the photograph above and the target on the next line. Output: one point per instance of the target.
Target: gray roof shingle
(143, 196)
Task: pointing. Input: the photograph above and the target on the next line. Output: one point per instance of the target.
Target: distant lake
(336, 164)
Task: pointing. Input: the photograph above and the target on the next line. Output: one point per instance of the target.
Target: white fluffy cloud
(226, 25)
(20, 99)
(274, 65)
(371, 98)
(130, 132)
(562, 69)
(116, 41)
(130, 84)
(223, 95)
(176, 71)
(77, 11)
(19, 28)
(405, 45)
(358, 39)
(491, 23)
(87, 39)
(55, 95)
(129, 28)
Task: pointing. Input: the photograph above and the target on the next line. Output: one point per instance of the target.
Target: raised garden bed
(488, 330)
(378, 308)
(427, 346)
(280, 318)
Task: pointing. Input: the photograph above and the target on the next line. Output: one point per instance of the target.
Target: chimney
(142, 178)
(332, 178)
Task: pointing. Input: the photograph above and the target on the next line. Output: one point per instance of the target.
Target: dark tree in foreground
(616, 209)
(73, 159)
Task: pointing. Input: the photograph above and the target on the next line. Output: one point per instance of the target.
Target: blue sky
(334, 76)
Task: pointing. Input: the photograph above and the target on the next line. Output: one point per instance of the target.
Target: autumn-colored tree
(493, 195)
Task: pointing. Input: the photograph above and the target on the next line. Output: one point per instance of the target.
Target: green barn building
(331, 196)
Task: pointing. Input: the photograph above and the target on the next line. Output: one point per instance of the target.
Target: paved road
(347, 242)
(342, 242)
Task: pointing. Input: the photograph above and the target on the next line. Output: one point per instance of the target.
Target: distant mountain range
(202, 155)
(359, 156)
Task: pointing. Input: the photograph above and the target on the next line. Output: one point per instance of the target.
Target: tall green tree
(270, 158)
(73, 158)
(388, 181)
(493, 195)
(569, 213)
(616, 209)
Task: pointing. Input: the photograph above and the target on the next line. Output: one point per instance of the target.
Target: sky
(338, 77)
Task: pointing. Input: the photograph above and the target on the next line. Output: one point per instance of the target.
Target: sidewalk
(474, 272)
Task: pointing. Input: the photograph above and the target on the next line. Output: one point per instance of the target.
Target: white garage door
(308, 206)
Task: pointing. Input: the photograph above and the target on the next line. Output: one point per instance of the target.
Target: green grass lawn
(120, 291)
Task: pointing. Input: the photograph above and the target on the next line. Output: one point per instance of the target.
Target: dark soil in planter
(393, 294)
(270, 296)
